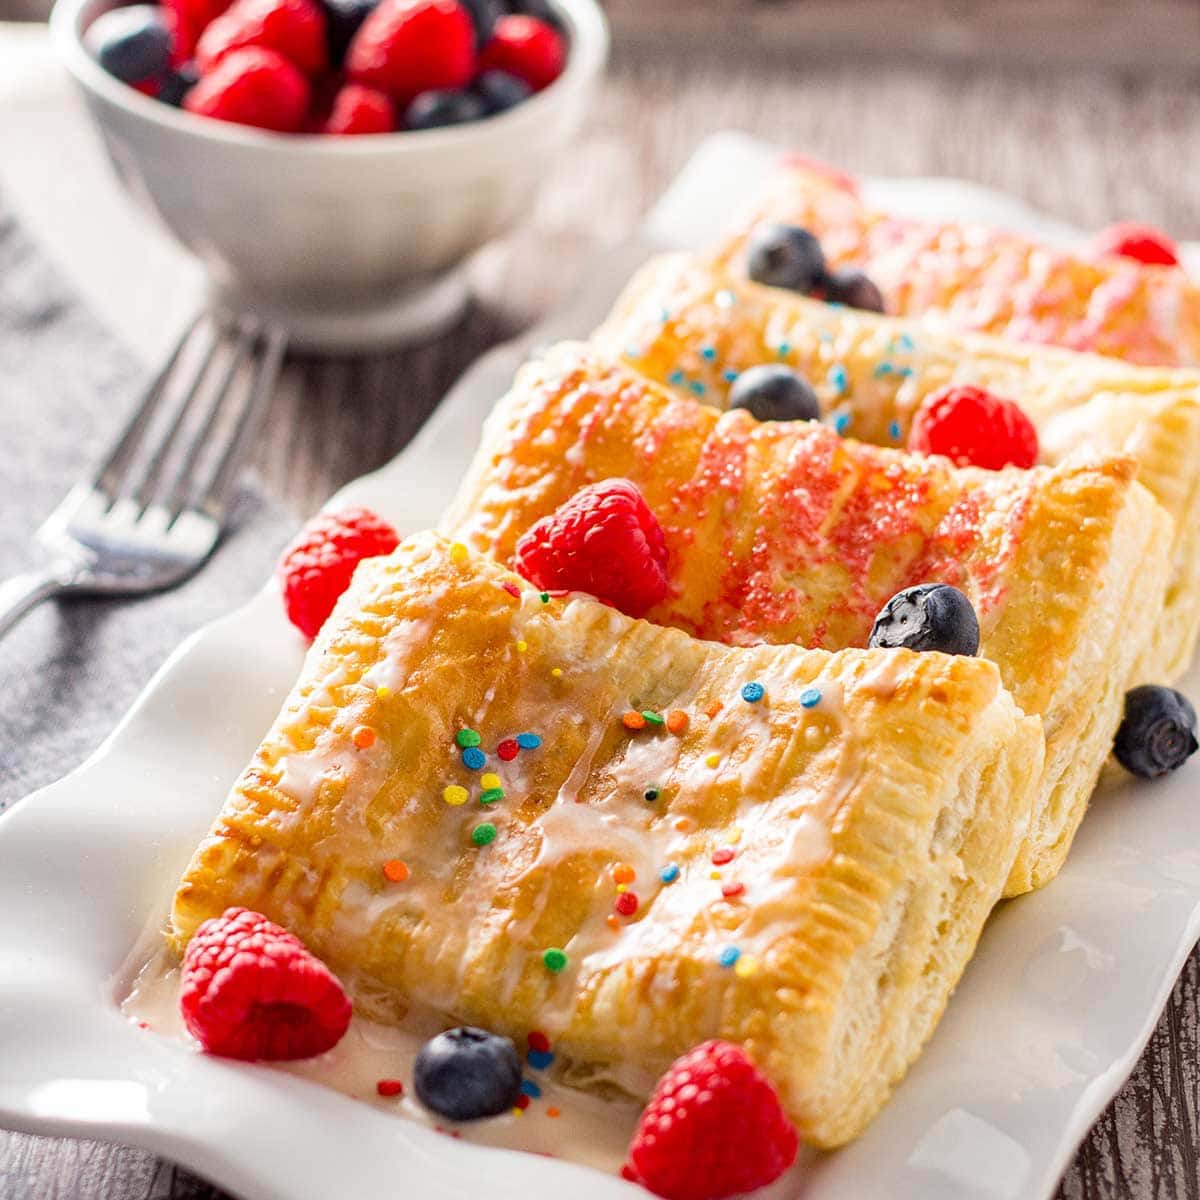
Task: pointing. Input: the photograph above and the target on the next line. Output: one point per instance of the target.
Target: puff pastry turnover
(692, 325)
(791, 533)
(985, 279)
(872, 829)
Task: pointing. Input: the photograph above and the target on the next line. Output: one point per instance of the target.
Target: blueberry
(484, 15)
(432, 109)
(465, 1073)
(342, 19)
(785, 256)
(774, 393)
(132, 43)
(178, 83)
(853, 289)
(930, 616)
(499, 90)
(1158, 732)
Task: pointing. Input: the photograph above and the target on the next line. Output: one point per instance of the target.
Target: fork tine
(181, 484)
(218, 488)
(113, 469)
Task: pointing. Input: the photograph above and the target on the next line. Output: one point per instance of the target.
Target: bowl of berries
(334, 163)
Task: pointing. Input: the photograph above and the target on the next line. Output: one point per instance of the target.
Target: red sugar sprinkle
(508, 750)
(390, 1087)
(626, 904)
(512, 589)
(729, 890)
(538, 1041)
(522, 1101)
(722, 856)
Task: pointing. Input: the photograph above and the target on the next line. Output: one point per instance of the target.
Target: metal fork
(153, 512)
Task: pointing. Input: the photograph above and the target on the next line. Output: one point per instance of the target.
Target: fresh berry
(974, 428)
(131, 43)
(525, 47)
(316, 568)
(854, 289)
(342, 21)
(251, 990)
(406, 47)
(431, 110)
(500, 91)
(1127, 239)
(255, 87)
(785, 256)
(603, 540)
(484, 15)
(178, 83)
(465, 1074)
(714, 1127)
(774, 392)
(189, 19)
(1158, 732)
(930, 616)
(358, 109)
(293, 28)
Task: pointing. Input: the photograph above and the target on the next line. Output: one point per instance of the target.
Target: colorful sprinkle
(467, 738)
(530, 1089)
(728, 956)
(652, 717)
(698, 389)
(521, 1104)
(730, 890)
(459, 553)
(528, 741)
(522, 645)
(838, 378)
(669, 873)
(553, 1112)
(708, 353)
(677, 720)
(484, 835)
(713, 760)
(714, 708)
(491, 795)
(723, 855)
(810, 697)
(544, 597)
(613, 922)
(363, 737)
(537, 1040)
(676, 377)
(508, 750)
(894, 431)
(753, 692)
(626, 904)
(539, 1060)
(390, 1087)
(455, 794)
(684, 824)
(841, 422)
(783, 349)
(884, 368)
(650, 794)
(473, 758)
(729, 375)
(556, 672)
(715, 875)
(633, 720)
(745, 966)
(383, 691)
(554, 959)
(396, 870)
(490, 780)
(511, 589)
(623, 873)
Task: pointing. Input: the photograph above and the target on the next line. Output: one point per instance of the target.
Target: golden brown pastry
(693, 326)
(872, 801)
(791, 533)
(984, 279)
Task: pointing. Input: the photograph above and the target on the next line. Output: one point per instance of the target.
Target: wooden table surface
(1089, 146)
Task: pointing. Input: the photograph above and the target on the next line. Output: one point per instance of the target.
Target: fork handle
(23, 592)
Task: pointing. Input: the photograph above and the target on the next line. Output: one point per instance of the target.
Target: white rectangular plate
(1053, 1012)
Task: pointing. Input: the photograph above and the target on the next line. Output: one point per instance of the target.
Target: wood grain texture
(1090, 146)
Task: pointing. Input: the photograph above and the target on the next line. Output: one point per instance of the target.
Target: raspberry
(1128, 239)
(251, 990)
(252, 86)
(713, 1128)
(293, 28)
(189, 19)
(316, 568)
(406, 47)
(604, 540)
(527, 48)
(358, 109)
(974, 428)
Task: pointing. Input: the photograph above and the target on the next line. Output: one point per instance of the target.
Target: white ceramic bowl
(351, 242)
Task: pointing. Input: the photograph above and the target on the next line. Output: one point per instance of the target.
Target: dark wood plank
(1090, 146)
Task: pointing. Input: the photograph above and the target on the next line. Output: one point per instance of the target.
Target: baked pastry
(871, 802)
(984, 279)
(692, 325)
(787, 532)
